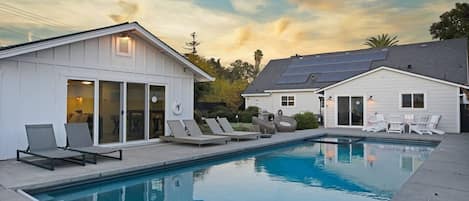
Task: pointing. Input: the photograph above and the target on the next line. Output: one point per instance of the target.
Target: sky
(232, 29)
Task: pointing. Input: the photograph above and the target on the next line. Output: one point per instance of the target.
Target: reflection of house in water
(359, 167)
(374, 166)
(176, 187)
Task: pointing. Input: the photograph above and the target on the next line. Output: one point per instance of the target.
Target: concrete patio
(445, 173)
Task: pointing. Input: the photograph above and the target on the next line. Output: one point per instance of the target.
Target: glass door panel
(110, 112)
(80, 102)
(343, 110)
(357, 111)
(135, 111)
(157, 111)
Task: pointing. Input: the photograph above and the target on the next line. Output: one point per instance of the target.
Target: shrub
(306, 120)
(246, 115)
(221, 111)
(198, 116)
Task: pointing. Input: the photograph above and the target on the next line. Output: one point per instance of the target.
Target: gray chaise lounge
(42, 144)
(234, 135)
(79, 139)
(195, 131)
(179, 135)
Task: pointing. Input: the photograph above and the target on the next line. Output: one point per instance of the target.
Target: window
(123, 46)
(413, 100)
(288, 101)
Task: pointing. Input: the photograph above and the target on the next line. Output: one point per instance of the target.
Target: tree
(241, 70)
(257, 58)
(192, 45)
(453, 23)
(383, 40)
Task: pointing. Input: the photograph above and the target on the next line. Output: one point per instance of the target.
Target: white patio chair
(395, 124)
(376, 123)
(419, 125)
(433, 124)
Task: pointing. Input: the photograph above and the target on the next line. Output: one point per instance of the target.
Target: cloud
(128, 11)
(232, 36)
(322, 5)
(281, 25)
(248, 6)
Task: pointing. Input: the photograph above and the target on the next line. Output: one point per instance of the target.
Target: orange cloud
(281, 25)
(322, 5)
(128, 11)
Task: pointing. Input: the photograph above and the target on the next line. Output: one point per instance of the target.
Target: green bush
(246, 115)
(306, 120)
(198, 116)
(221, 111)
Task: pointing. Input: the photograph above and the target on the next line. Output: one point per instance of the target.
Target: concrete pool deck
(446, 172)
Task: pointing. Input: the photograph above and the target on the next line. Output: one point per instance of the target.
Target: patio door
(350, 111)
(110, 112)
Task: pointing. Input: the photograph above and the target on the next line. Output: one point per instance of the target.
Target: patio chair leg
(52, 164)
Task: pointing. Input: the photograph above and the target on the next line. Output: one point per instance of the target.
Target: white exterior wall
(33, 87)
(385, 86)
(304, 102)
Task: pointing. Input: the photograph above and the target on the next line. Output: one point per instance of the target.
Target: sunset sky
(232, 29)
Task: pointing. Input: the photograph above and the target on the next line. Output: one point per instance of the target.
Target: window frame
(129, 47)
(412, 107)
(293, 101)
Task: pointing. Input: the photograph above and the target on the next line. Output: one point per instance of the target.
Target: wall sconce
(370, 99)
(124, 35)
(329, 99)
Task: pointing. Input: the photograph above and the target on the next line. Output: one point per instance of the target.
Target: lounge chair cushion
(177, 129)
(226, 125)
(195, 131)
(213, 125)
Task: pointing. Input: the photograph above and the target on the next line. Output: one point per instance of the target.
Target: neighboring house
(122, 80)
(423, 78)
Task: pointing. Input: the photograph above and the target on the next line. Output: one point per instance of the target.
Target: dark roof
(61, 36)
(446, 60)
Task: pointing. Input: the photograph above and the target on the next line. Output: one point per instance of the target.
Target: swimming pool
(335, 169)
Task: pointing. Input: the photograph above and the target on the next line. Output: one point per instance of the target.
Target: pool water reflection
(310, 171)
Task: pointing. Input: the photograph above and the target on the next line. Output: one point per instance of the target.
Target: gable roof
(28, 47)
(392, 70)
(445, 60)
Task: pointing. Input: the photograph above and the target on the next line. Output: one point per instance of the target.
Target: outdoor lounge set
(42, 144)
(407, 123)
(80, 149)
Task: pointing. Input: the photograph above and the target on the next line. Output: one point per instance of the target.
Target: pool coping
(167, 164)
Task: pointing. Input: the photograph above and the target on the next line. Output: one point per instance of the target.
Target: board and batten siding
(386, 86)
(33, 86)
(304, 102)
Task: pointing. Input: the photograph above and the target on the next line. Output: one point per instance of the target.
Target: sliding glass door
(110, 112)
(135, 111)
(80, 102)
(350, 110)
(157, 110)
(125, 111)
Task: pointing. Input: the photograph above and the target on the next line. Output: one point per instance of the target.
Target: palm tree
(257, 58)
(383, 40)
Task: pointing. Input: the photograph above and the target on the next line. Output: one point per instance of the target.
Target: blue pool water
(308, 171)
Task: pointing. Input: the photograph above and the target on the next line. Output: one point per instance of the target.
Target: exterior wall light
(370, 98)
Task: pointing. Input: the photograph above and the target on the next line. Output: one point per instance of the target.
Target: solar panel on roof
(339, 58)
(336, 76)
(329, 68)
(293, 78)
